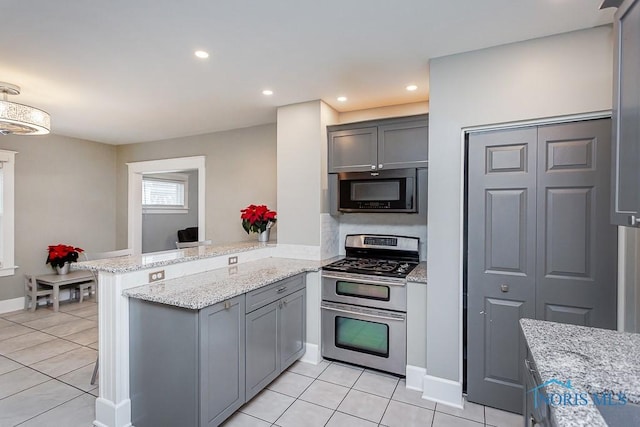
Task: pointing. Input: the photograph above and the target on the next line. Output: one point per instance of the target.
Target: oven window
(361, 290)
(362, 336)
(375, 191)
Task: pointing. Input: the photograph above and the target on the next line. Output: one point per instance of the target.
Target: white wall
(400, 110)
(559, 75)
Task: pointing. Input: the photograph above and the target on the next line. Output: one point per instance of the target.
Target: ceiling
(122, 71)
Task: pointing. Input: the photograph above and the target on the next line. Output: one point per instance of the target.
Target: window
(165, 193)
(7, 166)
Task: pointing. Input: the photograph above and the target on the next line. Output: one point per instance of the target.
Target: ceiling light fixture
(411, 88)
(201, 54)
(342, 98)
(267, 92)
(18, 119)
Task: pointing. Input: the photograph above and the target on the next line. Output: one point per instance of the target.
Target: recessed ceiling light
(201, 54)
(411, 88)
(267, 92)
(342, 98)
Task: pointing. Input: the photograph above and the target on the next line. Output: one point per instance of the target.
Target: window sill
(8, 271)
(165, 210)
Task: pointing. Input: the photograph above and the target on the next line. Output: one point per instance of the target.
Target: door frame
(134, 209)
(626, 274)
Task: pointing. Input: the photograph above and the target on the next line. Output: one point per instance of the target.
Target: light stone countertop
(418, 274)
(594, 360)
(210, 287)
(158, 259)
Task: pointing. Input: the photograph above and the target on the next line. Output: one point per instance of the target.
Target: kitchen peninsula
(182, 270)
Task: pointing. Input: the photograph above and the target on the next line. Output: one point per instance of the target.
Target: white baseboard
(442, 390)
(415, 375)
(311, 354)
(110, 415)
(9, 305)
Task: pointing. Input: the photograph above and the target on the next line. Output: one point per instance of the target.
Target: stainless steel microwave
(382, 191)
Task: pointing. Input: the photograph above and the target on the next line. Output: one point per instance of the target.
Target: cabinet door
(292, 327)
(353, 150)
(263, 363)
(626, 116)
(222, 367)
(403, 145)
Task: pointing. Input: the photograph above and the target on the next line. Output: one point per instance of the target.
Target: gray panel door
(577, 247)
(292, 326)
(222, 367)
(403, 145)
(263, 363)
(353, 150)
(501, 263)
(539, 245)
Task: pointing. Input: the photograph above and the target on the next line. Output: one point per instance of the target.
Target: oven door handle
(400, 318)
(366, 281)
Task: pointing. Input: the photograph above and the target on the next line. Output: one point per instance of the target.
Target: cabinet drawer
(267, 294)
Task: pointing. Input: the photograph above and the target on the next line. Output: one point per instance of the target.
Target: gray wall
(240, 170)
(560, 75)
(64, 193)
(159, 230)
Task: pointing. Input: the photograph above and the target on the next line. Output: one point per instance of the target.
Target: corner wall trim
(9, 305)
(442, 390)
(415, 374)
(311, 354)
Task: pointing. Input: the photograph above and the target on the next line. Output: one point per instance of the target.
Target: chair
(32, 290)
(182, 245)
(189, 234)
(103, 255)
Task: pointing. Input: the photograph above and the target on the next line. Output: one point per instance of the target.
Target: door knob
(373, 167)
(504, 288)
(380, 166)
(634, 221)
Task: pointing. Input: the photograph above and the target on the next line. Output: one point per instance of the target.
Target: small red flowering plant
(59, 254)
(256, 219)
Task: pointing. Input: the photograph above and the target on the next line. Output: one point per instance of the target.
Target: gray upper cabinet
(626, 116)
(276, 331)
(379, 144)
(352, 150)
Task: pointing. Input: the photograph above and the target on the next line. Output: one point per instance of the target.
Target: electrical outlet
(233, 260)
(156, 275)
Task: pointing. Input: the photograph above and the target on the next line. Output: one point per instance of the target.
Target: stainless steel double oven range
(364, 302)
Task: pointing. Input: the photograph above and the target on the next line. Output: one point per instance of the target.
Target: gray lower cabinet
(187, 367)
(536, 410)
(275, 331)
(625, 201)
(379, 144)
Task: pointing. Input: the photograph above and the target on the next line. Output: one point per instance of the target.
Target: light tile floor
(337, 395)
(46, 361)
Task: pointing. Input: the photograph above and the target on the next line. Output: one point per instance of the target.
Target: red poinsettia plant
(256, 219)
(59, 254)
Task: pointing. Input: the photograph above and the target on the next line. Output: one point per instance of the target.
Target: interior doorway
(138, 170)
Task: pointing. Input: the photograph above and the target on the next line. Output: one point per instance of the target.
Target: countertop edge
(142, 292)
